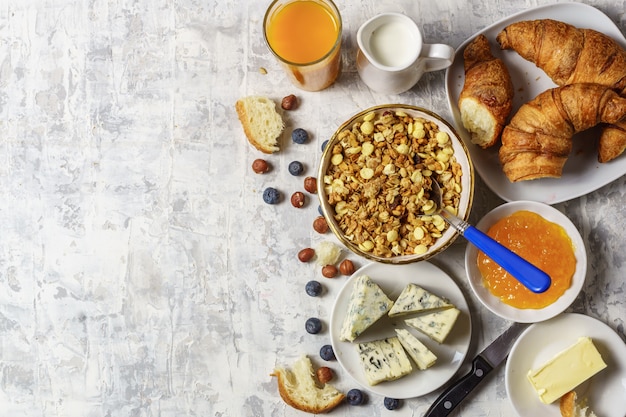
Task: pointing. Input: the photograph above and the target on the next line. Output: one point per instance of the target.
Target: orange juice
(305, 36)
(302, 32)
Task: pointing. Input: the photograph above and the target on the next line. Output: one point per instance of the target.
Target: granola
(379, 179)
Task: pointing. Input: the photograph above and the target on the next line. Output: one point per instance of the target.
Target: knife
(482, 365)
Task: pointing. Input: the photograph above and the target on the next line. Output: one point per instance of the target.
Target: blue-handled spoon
(528, 274)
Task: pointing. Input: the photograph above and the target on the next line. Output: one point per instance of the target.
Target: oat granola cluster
(379, 180)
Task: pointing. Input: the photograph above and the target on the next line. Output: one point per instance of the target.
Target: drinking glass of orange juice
(305, 36)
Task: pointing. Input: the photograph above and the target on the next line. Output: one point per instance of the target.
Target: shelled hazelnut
(260, 166)
(289, 102)
(306, 254)
(324, 374)
(310, 185)
(320, 225)
(346, 267)
(297, 199)
(329, 271)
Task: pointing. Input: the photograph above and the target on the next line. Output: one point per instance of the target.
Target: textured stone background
(140, 272)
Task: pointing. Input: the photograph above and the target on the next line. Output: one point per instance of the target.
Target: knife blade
(482, 365)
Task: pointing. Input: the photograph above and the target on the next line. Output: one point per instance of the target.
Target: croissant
(571, 55)
(612, 141)
(486, 99)
(538, 139)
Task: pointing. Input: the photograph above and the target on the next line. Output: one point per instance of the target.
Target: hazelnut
(260, 166)
(324, 374)
(346, 267)
(330, 271)
(306, 254)
(320, 225)
(289, 102)
(297, 199)
(310, 184)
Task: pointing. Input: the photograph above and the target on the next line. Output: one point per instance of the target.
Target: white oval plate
(605, 391)
(582, 173)
(506, 311)
(392, 279)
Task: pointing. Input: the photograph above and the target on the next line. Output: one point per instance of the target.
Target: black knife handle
(454, 394)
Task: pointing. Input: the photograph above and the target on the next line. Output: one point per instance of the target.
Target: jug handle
(437, 56)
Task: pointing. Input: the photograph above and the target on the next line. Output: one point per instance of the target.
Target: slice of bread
(570, 407)
(299, 389)
(261, 122)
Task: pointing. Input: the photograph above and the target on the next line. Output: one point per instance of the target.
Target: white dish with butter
(582, 173)
(393, 279)
(539, 343)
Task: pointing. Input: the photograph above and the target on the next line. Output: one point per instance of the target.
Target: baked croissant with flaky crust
(612, 141)
(486, 99)
(538, 139)
(569, 55)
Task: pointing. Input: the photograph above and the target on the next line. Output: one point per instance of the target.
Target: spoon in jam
(528, 274)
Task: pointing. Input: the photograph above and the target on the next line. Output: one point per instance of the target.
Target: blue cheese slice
(414, 298)
(367, 304)
(384, 360)
(436, 325)
(420, 354)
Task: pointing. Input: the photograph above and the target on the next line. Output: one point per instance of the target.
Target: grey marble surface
(141, 274)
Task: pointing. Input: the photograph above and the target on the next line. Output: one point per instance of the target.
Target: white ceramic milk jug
(392, 56)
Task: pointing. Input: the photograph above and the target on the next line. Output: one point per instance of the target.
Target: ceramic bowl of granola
(375, 178)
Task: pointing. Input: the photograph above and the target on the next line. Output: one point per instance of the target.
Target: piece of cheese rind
(566, 370)
(414, 298)
(420, 354)
(367, 304)
(436, 325)
(384, 360)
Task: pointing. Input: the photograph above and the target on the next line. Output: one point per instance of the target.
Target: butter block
(566, 370)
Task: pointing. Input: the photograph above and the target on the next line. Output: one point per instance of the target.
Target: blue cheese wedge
(436, 325)
(420, 354)
(414, 298)
(565, 371)
(384, 360)
(367, 304)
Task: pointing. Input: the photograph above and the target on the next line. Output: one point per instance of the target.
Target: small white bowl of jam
(545, 237)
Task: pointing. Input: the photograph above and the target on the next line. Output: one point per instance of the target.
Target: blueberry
(391, 403)
(296, 168)
(271, 195)
(319, 210)
(355, 397)
(324, 144)
(313, 325)
(313, 288)
(327, 353)
(299, 136)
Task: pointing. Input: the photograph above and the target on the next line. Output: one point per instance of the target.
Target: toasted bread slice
(570, 407)
(261, 122)
(298, 387)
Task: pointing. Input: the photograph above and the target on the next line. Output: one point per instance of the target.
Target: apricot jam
(544, 244)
